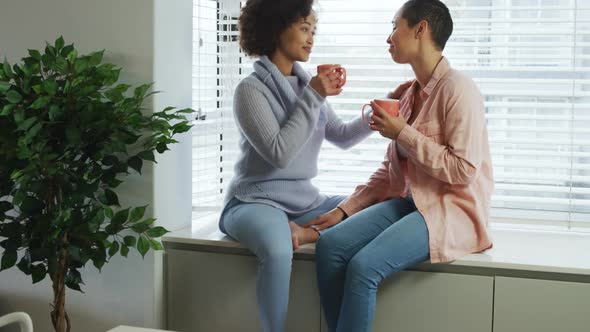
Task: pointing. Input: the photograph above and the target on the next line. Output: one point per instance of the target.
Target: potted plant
(68, 136)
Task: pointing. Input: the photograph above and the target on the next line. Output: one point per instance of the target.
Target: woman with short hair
(431, 196)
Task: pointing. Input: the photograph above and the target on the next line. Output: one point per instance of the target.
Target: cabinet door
(525, 305)
(442, 302)
(424, 301)
(217, 292)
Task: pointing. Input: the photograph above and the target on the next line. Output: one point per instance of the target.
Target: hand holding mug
(385, 116)
(329, 80)
(336, 73)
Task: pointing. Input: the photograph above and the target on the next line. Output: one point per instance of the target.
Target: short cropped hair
(262, 22)
(435, 13)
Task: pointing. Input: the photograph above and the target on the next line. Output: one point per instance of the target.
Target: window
(530, 58)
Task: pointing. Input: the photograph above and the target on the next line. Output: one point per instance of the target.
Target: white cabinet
(217, 292)
(527, 305)
(443, 302)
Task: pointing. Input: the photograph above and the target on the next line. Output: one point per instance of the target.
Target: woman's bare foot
(301, 235)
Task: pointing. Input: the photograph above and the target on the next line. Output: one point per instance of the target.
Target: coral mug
(391, 106)
(340, 70)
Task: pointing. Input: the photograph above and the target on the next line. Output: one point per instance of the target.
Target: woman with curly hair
(283, 118)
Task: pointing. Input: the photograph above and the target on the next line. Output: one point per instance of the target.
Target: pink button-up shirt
(448, 166)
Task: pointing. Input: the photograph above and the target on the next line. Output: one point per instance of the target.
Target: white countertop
(526, 250)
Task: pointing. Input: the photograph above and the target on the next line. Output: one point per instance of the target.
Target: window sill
(518, 251)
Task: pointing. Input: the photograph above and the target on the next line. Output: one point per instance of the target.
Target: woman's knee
(279, 255)
(361, 271)
(325, 246)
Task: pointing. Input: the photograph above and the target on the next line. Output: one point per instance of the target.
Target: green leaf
(50, 86)
(80, 66)
(73, 279)
(39, 272)
(66, 51)
(34, 131)
(156, 231)
(19, 116)
(141, 90)
(137, 213)
(6, 110)
(50, 50)
(186, 110)
(5, 206)
(41, 102)
(13, 97)
(108, 212)
(143, 245)
(129, 241)
(111, 197)
(147, 155)
(120, 217)
(59, 43)
(8, 259)
(140, 227)
(25, 125)
(96, 58)
(161, 147)
(35, 54)
(124, 250)
(99, 259)
(72, 55)
(60, 64)
(7, 71)
(75, 253)
(136, 163)
(109, 160)
(4, 86)
(114, 249)
(181, 127)
(25, 263)
(156, 245)
(55, 112)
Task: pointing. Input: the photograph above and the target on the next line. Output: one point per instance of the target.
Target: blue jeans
(265, 231)
(357, 254)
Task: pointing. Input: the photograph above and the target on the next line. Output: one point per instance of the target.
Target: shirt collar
(442, 68)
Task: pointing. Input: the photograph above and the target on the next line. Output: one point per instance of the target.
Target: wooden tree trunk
(59, 316)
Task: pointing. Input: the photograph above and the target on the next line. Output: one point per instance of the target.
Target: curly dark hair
(435, 13)
(261, 23)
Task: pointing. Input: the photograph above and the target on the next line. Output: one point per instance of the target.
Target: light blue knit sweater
(281, 132)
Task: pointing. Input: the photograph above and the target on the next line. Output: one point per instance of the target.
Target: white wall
(151, 40)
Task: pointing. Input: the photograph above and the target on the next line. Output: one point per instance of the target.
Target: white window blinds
(530, 58)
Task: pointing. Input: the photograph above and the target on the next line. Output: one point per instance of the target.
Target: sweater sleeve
(345, 135)
(277, 143)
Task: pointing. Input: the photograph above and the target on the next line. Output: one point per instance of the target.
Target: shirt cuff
(408, 139)
(350, 205)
